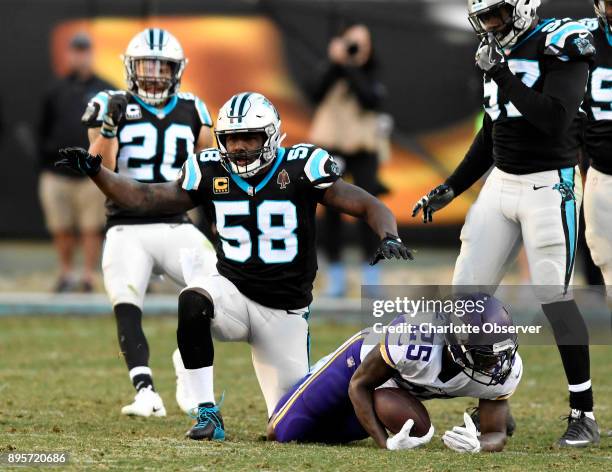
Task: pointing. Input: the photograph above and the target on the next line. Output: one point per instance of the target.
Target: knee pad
(194, 303)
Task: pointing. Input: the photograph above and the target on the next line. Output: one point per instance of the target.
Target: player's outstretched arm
(105, 147)
(356, 202)
(372, 372)
(476, 162)
(147, 198)
(493, 417)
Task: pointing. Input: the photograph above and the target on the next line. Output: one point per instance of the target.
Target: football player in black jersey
(262, 198)
(598, 145)
(146, 133)
(535, 73)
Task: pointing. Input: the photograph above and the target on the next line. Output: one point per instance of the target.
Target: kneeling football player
(334, 402)
(262, 198)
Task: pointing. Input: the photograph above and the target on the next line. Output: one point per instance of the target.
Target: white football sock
(200, 384)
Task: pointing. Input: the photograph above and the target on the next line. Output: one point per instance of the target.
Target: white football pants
(598, 221)
(279, 339)
(541, 211)
(132, 252)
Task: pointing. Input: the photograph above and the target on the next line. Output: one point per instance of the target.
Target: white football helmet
(600, 11)
(154, 63)
(522, 14)
(248, 112)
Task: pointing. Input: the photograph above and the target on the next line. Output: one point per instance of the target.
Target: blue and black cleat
(209, 423)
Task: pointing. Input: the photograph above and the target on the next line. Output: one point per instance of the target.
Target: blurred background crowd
(389, 87)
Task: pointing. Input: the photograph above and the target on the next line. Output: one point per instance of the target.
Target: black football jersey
(153, 144)
(266, 225)
(598, 101)
(519, 147)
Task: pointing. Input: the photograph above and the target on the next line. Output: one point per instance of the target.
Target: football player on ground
(334, 402)
(262, 198)
(146, 133)
(598, 145)
(535, 74)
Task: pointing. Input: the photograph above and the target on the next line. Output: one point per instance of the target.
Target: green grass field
(62, 384)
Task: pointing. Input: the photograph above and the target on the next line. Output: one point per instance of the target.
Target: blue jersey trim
(155, 111)
(566, 30)
(191, 171)
(567, 177)
(314, 162)
(537, 30)
(608, 35)
(203, 112)
(103, 96)
(568, 208)
(244, 185)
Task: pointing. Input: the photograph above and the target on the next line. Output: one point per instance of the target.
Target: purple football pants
(318, 408)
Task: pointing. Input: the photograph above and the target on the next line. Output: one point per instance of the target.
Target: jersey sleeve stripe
(203, 112)
(558, 37)
(102, 99)
(193, 176)
(315, 165)
(386, 355)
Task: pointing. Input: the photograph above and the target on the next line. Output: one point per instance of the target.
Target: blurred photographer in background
(347, 123)
(70, 202)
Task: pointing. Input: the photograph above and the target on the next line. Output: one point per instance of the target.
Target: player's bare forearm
(493, 418)
(105, 147)
(354, 201)
(205, 138)
(372, 373)
(162, 198)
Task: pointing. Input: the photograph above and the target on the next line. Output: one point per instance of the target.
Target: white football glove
(489, 55)
(403, 440)
(463, 438)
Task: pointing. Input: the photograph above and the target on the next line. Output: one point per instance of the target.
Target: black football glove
(438, 198)
(490, 56)
(114, 114)
(391, 247)
(79, 160)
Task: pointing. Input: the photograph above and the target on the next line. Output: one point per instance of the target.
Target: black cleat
(209, 424)
(510, 423)
(581, 431)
